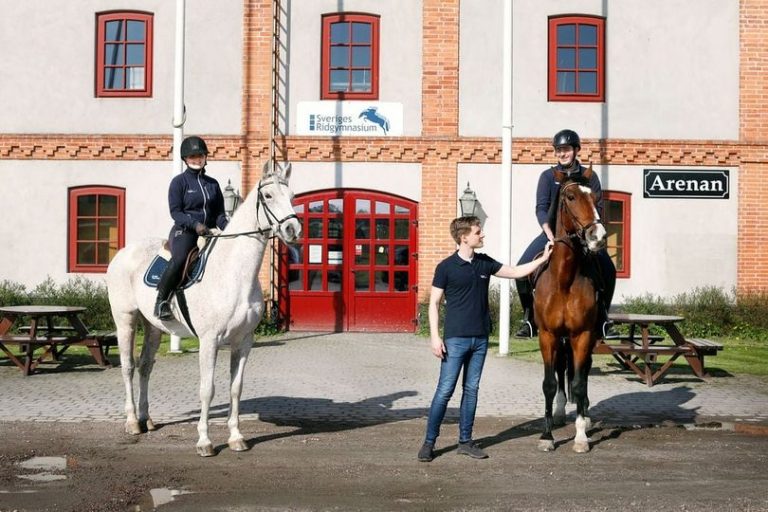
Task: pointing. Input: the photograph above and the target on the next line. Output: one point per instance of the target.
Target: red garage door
(355, 266)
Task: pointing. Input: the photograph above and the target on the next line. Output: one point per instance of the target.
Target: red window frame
(75, 216)
(576, 45)
(101, 44)
(325, 67)
(622, 227)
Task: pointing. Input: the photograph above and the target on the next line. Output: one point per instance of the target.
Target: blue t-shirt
(465, 287)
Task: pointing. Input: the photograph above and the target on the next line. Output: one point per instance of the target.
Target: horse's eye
(267, 196)
(570, 197)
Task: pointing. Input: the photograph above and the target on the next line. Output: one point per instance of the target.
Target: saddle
(194, 266)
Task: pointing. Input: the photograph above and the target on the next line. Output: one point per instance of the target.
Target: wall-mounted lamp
(468, 202)
(231, 199)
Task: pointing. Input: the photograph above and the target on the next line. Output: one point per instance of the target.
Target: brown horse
(565, 307)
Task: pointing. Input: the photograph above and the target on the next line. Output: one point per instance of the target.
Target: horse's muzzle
(290, 230)
(596, 237)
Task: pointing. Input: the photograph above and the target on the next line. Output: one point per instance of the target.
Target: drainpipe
(506, 176)
(178, 113)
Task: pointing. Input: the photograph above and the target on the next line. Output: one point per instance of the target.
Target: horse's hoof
(238, 445)
(132, 428)
(147, 425)
(581, 447)
(546, 445)
(206, 450)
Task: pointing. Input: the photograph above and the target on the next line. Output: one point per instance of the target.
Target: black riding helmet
(193, 146)
(566, 138)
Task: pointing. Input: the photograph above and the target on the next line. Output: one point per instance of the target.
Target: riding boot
(604, 325)
(168, 282)
(528, 327)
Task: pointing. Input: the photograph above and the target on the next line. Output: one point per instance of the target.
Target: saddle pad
(157, 267)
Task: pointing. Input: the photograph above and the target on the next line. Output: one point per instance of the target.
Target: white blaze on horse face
(596, 233)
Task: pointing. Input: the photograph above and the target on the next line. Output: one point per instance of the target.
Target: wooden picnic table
(52, 329)
(640, 346)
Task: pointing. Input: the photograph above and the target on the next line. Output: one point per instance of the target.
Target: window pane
(566, 34)
(107, 229)
(361, 57)
(362, 206)
(382, 255)
(340, 81)
(566, 82)
(108, 206)
(566, 58)
(361, 281)
(135, 77)
(315, 228)
(362, 254)
(401, 229)
(587, 58)
(401, 281)
(298, 208)
(315, 278)
(382, 229)
(336, 206)
(334, 280)
(339, 32)
(86, 205)
(335, 228)
(615, 211)
(135, 54)
(401, 254)
(587, 35)
(340, 57)
(361, 80)
(316, 206)
(381, 281)
(295, 253)
(86, 229)
(401, 209)
(382, 207)
(113, 54)
(334, 254)
(294, 280)
(588, 82)
(362, 228)
(114, 31)
(361, 32)
(136, 30)
(113, 78)
(86, 253)
(102, 253)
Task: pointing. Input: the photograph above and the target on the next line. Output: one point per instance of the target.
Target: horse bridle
(579, 235)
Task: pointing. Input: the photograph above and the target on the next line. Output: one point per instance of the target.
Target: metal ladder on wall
(273, 310)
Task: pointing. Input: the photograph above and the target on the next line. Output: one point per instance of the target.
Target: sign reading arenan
(700, 184)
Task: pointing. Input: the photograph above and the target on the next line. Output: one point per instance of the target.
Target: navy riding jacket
(546, 193)
(194, 197)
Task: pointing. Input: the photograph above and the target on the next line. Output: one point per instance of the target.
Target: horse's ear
(559, 176)
(588, 172)
(286, 171)
(268, 169)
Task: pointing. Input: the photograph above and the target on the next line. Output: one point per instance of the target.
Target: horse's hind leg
(207, 355)
(582, 363)
(146, 363)
(560, 398)
(126, 335)
(548, 346)
(238, 358)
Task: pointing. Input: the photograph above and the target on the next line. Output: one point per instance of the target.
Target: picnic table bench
(639, 351)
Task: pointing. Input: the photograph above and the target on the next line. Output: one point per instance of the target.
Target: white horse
(224, 308)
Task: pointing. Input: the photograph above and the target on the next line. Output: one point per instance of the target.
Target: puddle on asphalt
(46, 469)
(158, 497)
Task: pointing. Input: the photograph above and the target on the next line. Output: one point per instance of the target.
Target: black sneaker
(470, 448)
(426, 453)
(527, 330)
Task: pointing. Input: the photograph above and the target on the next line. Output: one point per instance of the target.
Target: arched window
(618, 218)
(96, 227)
(576, 58)
(350, 57)
(123, 54)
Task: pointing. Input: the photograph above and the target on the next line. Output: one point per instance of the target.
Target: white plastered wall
(402, 180)
(35, 231)
(676, 244)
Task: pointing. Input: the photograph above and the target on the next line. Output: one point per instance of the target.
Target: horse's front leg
(146, 363)
(548, 346)
(238, 358)
(208, 352)
(582, 361)
(560, 397)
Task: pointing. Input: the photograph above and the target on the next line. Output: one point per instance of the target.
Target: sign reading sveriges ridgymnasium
(349, 118)
(688, 184)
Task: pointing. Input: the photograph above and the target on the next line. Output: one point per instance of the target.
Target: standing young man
(463, 279)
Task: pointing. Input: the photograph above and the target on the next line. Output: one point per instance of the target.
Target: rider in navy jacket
(197, 205)
(567, 145)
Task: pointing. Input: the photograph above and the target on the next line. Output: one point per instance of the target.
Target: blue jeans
(469, 354)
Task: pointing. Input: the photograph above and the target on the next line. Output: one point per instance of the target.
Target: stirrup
(163, 310)
(526, 331)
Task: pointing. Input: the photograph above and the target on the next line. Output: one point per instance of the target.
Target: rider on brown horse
(566, 144)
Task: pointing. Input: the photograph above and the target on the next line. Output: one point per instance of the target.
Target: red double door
(355, 266)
